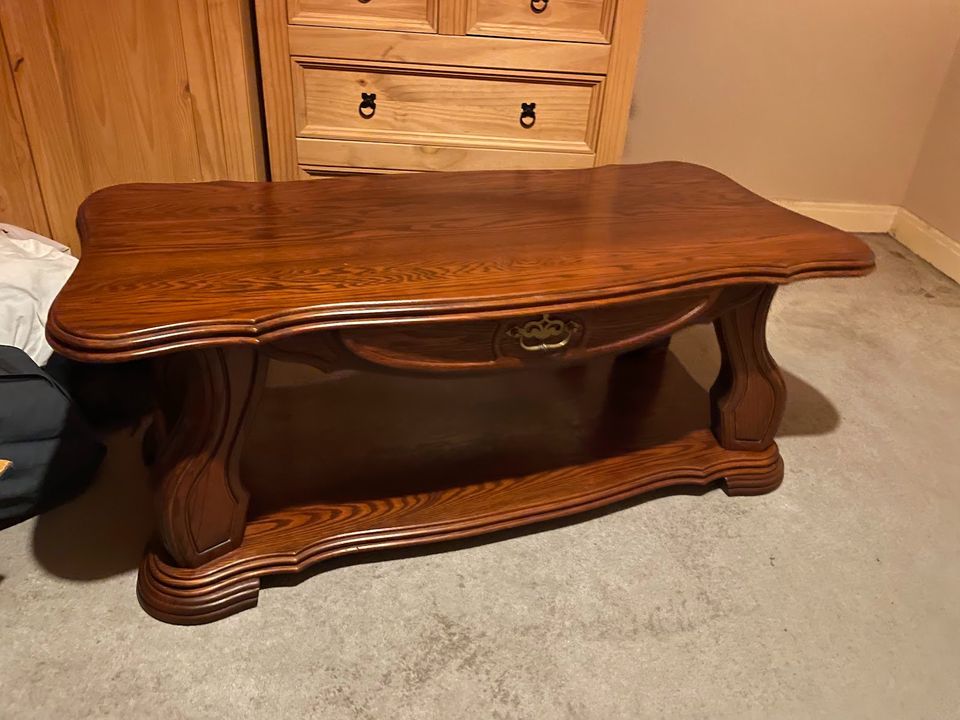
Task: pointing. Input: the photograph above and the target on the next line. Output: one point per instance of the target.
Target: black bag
(53, 451)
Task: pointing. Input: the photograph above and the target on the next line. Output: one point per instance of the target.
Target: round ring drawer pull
(368, 105)
(538, 6)
(528, 114)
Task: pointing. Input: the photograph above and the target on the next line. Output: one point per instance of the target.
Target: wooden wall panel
(20, 200)
(30, 34)
(200, 88)
(116, 91)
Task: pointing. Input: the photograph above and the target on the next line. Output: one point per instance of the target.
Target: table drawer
(539, 111)
(409, 15)
(573, 20)
(524, 339)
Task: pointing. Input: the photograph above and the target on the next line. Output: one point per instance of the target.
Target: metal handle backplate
(545, 334)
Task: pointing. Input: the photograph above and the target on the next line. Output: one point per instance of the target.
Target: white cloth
(33, 269)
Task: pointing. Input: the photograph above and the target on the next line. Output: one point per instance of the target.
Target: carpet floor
(835, 596)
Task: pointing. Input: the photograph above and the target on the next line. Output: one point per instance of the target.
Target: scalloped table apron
(507, 335)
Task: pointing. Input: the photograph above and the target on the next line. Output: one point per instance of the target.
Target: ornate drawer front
(420, 106)
(524, 339)
(409, 15)
(574, 20)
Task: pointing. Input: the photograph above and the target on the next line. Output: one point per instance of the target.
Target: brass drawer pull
(528, 114)
(538, 6)
(368, 105)
(544, 335)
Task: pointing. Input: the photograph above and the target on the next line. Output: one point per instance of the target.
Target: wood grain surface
(20, 200)
(415, 15)
(424, 105)
(587, 21)
(490, 345)
(749, 396)
(167, 267)
(618, 87)
(454, 50)
(455, 38)
(127, 90)
(414, 157)
(201, 501)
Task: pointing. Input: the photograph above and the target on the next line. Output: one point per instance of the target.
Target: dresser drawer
(374, 156)
(574, 20)
(525, 338)
(457, 50)
(409, 15)
(462, 108)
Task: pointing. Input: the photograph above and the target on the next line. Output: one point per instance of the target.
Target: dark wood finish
(202, 505)
(492, 344)
(520, 271)
(559, 448)
(220, 263)
(460, 346)
(749, 395)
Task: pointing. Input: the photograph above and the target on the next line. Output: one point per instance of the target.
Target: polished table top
(179, 265)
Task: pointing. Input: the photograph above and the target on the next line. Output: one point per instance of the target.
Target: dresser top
(171, 266)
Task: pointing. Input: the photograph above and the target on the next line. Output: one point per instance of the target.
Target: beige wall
(934, 192)
(799, 99)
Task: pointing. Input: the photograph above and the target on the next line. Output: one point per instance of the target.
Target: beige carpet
(835, 596)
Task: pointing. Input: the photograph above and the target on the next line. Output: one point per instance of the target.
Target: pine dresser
(377, 86)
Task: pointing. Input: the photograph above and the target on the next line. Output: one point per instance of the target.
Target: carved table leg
(207, 398)
(748, 398)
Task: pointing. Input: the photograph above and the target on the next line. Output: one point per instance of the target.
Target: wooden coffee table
(434, 286)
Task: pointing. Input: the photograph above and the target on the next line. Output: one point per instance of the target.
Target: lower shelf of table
(375, 462)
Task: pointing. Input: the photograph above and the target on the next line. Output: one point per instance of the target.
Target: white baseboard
(852, 217)
(937, 248)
